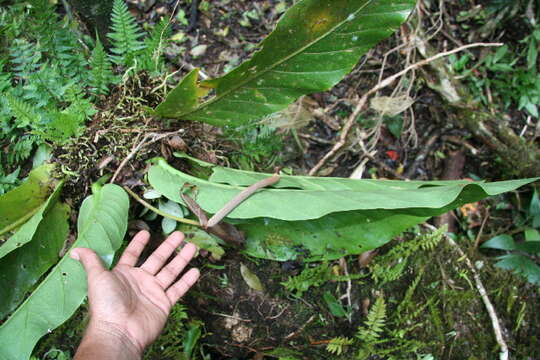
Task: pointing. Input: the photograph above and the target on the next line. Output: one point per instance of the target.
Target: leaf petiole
(159, 212)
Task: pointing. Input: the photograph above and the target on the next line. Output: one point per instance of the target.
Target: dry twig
(386, 82)
(148, 139)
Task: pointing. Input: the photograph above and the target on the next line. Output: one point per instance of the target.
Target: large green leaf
(22, 268)
(330, 237)
(26, 231)
(101, 226)
(322, 218)
(315, 44)
(21, 203)
(312, 198)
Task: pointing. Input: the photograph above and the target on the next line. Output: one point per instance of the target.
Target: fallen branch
(495, 323)
(386, 82)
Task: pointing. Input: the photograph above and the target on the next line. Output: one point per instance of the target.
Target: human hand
(133, 303)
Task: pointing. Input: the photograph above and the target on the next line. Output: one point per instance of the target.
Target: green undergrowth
(53, 77)
(506, 76)
(428, 308)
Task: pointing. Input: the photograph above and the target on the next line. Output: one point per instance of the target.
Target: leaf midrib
(82, 234)
(270, 68)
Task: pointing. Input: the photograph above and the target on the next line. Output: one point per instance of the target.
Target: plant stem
(238, 199)
(159, 212)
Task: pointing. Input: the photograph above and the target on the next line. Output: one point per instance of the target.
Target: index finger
(134, 249)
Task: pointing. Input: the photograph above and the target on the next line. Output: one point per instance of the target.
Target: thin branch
(148, 139)
(495, 323)
(386, 82)
(159, 212)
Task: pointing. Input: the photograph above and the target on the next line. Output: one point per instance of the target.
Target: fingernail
(74, 255)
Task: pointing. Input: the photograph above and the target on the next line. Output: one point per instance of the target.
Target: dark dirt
(240, 322)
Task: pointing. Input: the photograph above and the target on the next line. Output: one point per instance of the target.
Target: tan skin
(129, 305)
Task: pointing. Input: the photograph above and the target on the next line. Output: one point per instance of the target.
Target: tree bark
(96, 15)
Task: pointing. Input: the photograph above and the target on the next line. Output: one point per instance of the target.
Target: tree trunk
(96, 14)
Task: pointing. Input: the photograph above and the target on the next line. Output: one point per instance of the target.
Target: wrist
(112, 338)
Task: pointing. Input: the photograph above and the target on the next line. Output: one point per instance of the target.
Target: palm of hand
(137, 300)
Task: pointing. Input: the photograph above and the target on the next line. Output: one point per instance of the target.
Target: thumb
(90, 261)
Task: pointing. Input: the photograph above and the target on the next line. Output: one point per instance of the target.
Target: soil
(241, 323)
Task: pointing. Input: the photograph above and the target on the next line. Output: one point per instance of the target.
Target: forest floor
(433, 307)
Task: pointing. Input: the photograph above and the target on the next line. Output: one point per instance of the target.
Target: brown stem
(241, 197)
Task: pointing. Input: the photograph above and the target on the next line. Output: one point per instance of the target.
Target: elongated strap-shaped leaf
(22, 268)
(101, 226)
(296, 204)
(330, 237)
(315, 44)
(18, 205)
(26, 232)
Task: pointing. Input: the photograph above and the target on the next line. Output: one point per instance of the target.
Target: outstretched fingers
(134, 249)
(179, 288)
(170, 272)
(158, 258)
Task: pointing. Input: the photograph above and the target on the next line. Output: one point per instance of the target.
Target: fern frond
(392, 265)
(22, 111)
(374, 325)
(62, 126)
(5, 78)
(310, 276)
(151, 58)
(25, 58)
(431, 240)
(101, 73)
(408, 294)
(67, 52)
(125, 35)
(21, 148)
(43, 20)
(337, 345)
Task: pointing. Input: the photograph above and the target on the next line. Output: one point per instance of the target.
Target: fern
(125, 35)
(43, 20)
(62, 126)
(5, 78)
(151, 58)
(373, 327)
(101, 74)
(337, 345)
(21, 148)
(392, 265)
(46, 87)
(23, 113)
(25, 58)
(408, 294)
(370, 333)
(67, 51)
(315, 276)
